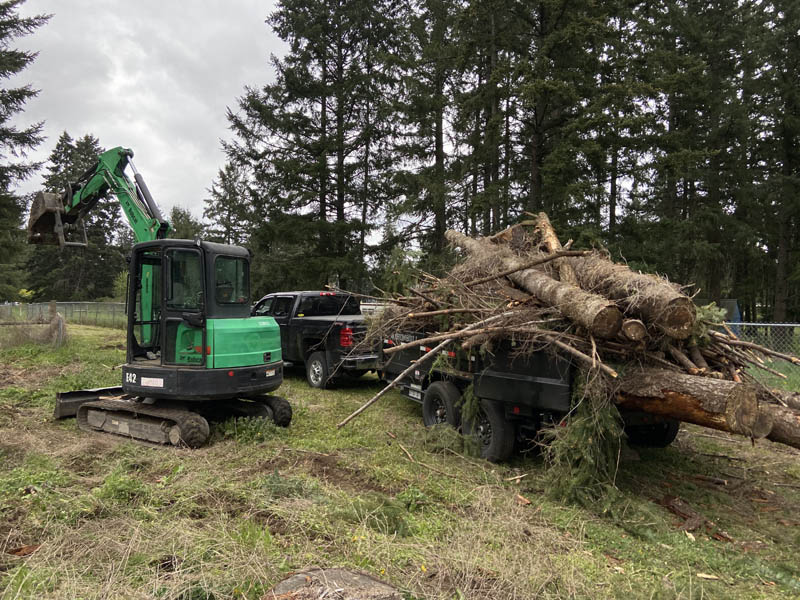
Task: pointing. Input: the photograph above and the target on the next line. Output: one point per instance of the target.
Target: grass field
(91, 516)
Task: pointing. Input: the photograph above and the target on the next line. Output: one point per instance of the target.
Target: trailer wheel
(317, 370)
(657, 435)
(441, 404)
(494, 434)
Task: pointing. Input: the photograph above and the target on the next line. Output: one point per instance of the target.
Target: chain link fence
(780, 337)
(101, 314)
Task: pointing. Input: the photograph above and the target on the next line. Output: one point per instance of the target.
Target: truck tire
(657, 435)
(317, 370)
(493, 433)
(441, 404)
(281, 410)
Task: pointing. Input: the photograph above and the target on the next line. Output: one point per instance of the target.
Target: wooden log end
(742, 411)
(678, 319)
(607, 322)
(762, 426)
(633, 330)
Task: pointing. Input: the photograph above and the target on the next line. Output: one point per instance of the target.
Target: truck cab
(321, 331)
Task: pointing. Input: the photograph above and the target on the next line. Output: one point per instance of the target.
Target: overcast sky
(153, 76)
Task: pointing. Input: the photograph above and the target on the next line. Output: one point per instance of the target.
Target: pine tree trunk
(714, 403)
(644, 295)
(593, 312)
(785, 426)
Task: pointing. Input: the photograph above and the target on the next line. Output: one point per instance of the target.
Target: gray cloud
(153, 76)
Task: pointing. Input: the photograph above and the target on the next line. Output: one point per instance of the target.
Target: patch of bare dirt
(32, 378)
(327, 468)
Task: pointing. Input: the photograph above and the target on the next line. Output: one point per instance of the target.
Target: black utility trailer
(517, 393)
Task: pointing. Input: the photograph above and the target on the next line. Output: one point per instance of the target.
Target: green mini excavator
(194, 353)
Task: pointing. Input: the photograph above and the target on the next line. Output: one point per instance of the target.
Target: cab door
(183, 311)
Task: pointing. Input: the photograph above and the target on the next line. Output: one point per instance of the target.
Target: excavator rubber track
(155, 423)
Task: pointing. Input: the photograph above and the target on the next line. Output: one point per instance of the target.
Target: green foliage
(15, 143)
(375, 511)
(120, 286)
(583, 456)
(121, 486)
(184, 225)
(228, 208)
(278, 486)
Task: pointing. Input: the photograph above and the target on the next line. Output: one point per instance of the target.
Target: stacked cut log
(522, 283)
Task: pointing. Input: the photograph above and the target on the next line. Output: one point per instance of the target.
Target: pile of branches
(674, 359)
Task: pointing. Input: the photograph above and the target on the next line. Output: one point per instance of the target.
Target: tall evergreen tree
(14, 143)
(428, 70)
(308, 142)
(228, 207)
(184, 225)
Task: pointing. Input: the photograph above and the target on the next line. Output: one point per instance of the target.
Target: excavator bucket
(45, 224)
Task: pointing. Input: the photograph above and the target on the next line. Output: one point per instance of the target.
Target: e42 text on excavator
(194, 353)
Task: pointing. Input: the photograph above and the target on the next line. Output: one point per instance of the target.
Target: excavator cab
(190, 333)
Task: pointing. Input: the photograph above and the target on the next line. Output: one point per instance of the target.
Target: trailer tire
(441, 404)
(493, 433)
(317, 370)
(657, 435)
(281, 410)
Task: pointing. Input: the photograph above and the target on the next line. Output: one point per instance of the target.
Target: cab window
(185, 280)
(262, 309)
(282, 306)
(232, 281)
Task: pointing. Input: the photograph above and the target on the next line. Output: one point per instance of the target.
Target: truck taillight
(345, 337)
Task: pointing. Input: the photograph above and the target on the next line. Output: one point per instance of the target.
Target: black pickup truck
(517, 394)
(319, 330)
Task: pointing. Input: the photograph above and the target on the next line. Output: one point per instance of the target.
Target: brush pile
(658, 353)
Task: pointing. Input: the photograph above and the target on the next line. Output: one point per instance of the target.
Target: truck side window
(263, 308)
(282, 306)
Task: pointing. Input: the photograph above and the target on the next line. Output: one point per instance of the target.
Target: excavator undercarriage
(173, 423)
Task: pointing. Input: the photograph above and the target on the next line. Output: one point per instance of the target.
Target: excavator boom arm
(53, 216)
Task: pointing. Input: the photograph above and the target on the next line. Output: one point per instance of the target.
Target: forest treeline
(666, 131)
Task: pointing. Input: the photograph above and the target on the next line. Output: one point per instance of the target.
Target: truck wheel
(494, 434)
(657, 435)
(281, 410)
(317, 370)
(441, 404)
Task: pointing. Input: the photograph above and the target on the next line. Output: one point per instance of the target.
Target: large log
(595, 313)
(650, 297)
(714, 403)
(785, 424)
